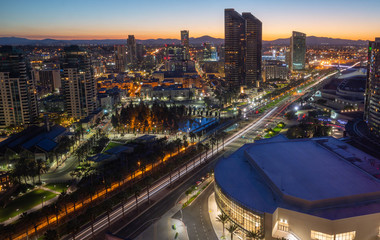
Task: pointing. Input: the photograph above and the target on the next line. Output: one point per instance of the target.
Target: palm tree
(223, 218)
(91, 213)
(148, 181)
(137, 190)
(74, 199)
(51, 234)
(254, 235)
(73, 227)
(41, 168)
(108, 208)
(62, 198)
(9, 230)
(207, 148)
(232, 229)
(178, 144)
(212, 142)
(55, 208)
(200, 149)
(25, 218)
(192, 137)
(223, 136)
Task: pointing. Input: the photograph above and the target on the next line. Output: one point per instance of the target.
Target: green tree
(232, 229)
(223, 218)
(51, 234)
(41, 168)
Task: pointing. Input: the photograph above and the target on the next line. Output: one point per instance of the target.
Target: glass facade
(341, 236)
(372, 98)
(246, 219)
(321, 236)
(298, 51)
(345, 236)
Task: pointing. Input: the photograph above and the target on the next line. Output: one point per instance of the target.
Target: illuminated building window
(283, 225)
(345, 236)
(321, 236)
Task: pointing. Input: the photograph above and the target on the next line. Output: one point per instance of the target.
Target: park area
(273, 132)
(112, 145)
(24, 203)
(58, 187)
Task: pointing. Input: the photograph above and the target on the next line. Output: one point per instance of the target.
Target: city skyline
(119, 19)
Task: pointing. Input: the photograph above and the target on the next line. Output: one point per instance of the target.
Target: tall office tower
(47, 81)
(132, 51)
(372, 98)
(79, 85)
(140, 51)
(297, 51)
(18, 103)
(253, 46)
(185, 43)
(243, 43)
(120, 58)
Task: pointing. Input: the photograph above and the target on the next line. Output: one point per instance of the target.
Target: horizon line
(144, 39)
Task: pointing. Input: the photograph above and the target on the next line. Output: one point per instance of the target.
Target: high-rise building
(18, 103)
(372, 98)
(253, 46)
(185, 43)
(297, 51)
(47, 81)
(78, 81)
(243, 44)
(132, 51)
(140, 51)
(120, 58)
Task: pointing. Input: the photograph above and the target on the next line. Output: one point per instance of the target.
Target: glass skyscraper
(243, 44)
(372, 99)
(297, 51)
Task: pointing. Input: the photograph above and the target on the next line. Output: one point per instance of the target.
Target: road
(62, 173)
(197, 218)
(133, 229)
(231, 144)
(116, 214)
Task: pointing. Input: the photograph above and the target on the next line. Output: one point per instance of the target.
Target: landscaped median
(273, 132)
(194, 192)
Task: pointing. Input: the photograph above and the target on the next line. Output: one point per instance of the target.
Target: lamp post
(42, 201)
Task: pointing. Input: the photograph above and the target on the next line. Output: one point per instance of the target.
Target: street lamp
(42, 201)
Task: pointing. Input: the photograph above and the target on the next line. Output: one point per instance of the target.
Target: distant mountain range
(312, 40)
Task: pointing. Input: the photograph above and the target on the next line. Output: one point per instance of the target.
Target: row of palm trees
(233, 228)
(64, 200)
(26, 169)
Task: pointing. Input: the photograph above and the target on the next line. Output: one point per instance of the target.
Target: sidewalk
(214, 212)
(163, 228)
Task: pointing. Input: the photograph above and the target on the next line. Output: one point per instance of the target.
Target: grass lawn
(112, 145)
(24, 203)
(267, 135)
(58, 187)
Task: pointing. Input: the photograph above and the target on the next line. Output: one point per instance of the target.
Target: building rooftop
(307, 170)
(318, 176)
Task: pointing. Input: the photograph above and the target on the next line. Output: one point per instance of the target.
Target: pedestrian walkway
(171, 222)
(214, 212)
(166, 227)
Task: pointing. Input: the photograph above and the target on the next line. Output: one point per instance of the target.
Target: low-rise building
(319, 188)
